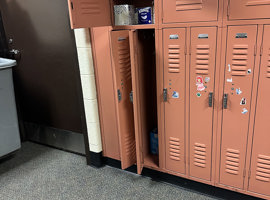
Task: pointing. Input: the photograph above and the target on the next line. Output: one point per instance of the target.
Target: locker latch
(131, 96)
(225, 101)
(210, 99)
(119, 95)
(165, 94)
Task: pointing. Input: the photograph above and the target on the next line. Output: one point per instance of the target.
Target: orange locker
(107, 104)
(248, 9)
(174, 97)
(190, 10)
(259, 179)
(241, 46)
(202, 79)
(89, 13)
(123, 82)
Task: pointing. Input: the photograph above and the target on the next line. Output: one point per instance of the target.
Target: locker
(95, 13)
(123, 82)
(174, 97)
(259, 181)
(107, 104)
(240, 57)
(248, 9)
(143, 67)
(190, 10)
(202, 79)
(89, 13)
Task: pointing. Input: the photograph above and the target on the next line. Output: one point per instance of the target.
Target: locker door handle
(225, 101)
(210, 102)
(165, 95)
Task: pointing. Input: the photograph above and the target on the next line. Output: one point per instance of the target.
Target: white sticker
(175, 95)
(229, 68)
(244, 111)
(243, 101)
(229, 80)
(238, 91)
(207, 79)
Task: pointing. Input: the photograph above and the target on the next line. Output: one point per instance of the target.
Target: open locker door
(89, 13)
(123, 84)
(133, 37)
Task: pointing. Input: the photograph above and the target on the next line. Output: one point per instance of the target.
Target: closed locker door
(123, 82)
(259, 181)
(89, 13)
(249, 9)
(240, 56)
(190, 10)
(202, 79)
(174, 97)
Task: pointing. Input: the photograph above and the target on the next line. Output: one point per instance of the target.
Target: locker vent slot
(232, 161)
(240, 60)
(202, 59)
(263, 168)
(200, 155)
(268, 67)
(258, 3)
(182, 5)
(174, 59)
(174, 145)
(92, 7)
(124, 59)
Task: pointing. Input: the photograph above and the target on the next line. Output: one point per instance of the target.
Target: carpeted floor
(39, 172)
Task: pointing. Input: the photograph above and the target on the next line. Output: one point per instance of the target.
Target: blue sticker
(175, 95)
(244, 111)
(238, 91)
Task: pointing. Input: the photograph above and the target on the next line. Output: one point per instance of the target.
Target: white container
(124, 15)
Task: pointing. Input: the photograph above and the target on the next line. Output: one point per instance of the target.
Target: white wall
(82, 37)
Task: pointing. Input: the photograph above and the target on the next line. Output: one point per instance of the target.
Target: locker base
(194, 186)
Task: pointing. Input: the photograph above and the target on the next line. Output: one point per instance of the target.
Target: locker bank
(199, 74)
(134, 99)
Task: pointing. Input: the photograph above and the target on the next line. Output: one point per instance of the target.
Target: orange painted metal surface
(106, 91)
(190, 10)
(241, 46)
(89, 13)
(259, 180)
(174, 82)
(186, 141)
(248, 9)
(122, 71)
(202, 80)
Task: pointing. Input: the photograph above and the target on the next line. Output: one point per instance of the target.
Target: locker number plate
(241, 35)
(174, 37)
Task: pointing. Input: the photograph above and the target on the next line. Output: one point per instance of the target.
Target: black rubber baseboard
(183, 183)
(96, 159)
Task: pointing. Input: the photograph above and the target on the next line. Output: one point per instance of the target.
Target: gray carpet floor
(39, 172)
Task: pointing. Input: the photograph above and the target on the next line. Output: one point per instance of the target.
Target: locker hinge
(228, 10)
(261, 50)
(165, 95)
(131, 96)
(244, 173)
(249, 174)
(119, 95)
(255, 50)
(185, 49)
